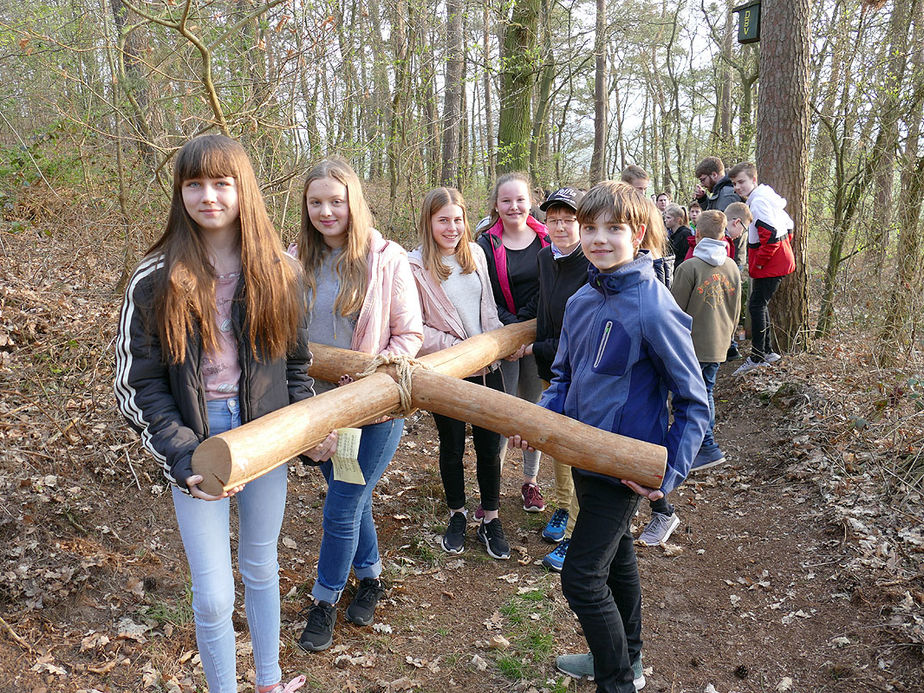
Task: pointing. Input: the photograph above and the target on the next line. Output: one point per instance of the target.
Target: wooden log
(460, 360)
(564, 438)
(244, 453)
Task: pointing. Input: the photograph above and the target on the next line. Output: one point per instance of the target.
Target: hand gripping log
(244, 453)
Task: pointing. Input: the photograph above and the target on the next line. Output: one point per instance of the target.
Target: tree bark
(449, 175)
(598, 158)
(517, 75)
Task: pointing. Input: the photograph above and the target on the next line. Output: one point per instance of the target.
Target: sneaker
(707, 460)
(772, 357)
(732, 354)
(319, 631)
(290, 687)
(533, 501)
(556, 559)
(749, 365)
(454, 538)
(659, 529)
(581, 666)
(492, 534)
(554, 531)
(577, 666)
(361, 610)
(638, 673)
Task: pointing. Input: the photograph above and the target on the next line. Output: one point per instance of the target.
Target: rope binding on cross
(404, 366)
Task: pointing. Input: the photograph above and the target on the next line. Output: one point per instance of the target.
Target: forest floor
(798, 566)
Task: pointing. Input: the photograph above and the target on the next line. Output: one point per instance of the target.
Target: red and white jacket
(769, 246)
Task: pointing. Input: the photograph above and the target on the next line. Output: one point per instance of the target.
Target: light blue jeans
(205, 529)
(349, 530)
(521, 379)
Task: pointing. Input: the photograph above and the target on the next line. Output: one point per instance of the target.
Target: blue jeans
(709, 446)
(205, 529)
(349, 530)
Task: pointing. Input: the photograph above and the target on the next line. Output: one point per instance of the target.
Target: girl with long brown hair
(213, 334)
(361, 296)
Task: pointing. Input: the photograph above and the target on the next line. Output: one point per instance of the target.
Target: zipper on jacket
(603, 341)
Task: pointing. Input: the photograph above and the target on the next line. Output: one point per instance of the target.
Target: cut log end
(212, 459)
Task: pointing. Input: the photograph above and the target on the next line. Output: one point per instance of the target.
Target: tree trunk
(782, 147)
(598, 158)
(518, 66)
(538, 166)
(449, 175)
(491, 172)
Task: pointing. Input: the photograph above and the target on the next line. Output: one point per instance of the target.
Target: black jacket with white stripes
(165, 402)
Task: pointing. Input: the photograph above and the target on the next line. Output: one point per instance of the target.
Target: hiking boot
(577, 666)
(659, 529)
(772, 357)
(361, 610)
(554, 531)
(533, 501)
(555, 560)
(492, 535)
(749, 365)
(707, 460)
(454, 538)
(319, 631)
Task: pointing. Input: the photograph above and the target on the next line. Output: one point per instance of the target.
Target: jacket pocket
(612, 355)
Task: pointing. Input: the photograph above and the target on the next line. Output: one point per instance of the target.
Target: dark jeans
(600, 580)
(487, 454)
(709, 370)
(762, 290)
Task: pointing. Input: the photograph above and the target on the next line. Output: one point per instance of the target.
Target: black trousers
(487, 454)
(601, 583)
(762, 290)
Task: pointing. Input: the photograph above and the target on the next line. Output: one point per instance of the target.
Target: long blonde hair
(352, 265)
(184, 297)
(433, 202)
(507, 178)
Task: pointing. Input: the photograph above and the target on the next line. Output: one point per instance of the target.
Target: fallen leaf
(499, 642)
(784, 685)
(479, 663)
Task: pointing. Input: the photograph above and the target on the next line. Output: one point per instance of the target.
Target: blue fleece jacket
(624, 344)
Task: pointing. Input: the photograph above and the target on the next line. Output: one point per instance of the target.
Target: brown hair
(678, 211)
(708, 166)
(507, 178)
(696, 204)
(352, 265)
(633, 172)
(184, 296)
(433, 202)
(711, 224)
(745, 167)
(655, 240)
(739, 210)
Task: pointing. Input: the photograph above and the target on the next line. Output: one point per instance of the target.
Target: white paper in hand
(346, 459)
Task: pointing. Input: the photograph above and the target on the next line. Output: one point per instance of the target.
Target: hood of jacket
(711, 250)
(770, 208)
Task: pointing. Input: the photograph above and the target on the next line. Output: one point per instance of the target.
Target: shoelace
(561, 549)
(290, 687)
(457, 522)
(369, 592)
(559, 518)
(317, 616)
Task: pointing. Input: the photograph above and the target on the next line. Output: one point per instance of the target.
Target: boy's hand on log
(324, 450)
(517, 442)
(649, 493)
(192, 483)
(524, 350)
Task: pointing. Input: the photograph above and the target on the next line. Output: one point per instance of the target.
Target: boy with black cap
(562, 271)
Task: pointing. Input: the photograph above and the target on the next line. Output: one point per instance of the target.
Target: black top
(559, 279)
(679, 244)
(523, 275)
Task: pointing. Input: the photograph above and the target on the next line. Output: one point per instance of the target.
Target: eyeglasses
(552, 223)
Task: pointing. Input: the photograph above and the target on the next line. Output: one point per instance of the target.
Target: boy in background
(637, 177)
(739, 219)
(624, 344)
(695, 211)
(770, 258)
(708, 287)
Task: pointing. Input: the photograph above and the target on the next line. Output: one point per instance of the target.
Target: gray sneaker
(659, 529)
(579, 666)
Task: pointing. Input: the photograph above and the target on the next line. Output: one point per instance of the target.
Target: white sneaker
(772, 357)
(659, 529)
(749, 365)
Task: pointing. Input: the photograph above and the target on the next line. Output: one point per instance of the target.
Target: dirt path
(785, 574)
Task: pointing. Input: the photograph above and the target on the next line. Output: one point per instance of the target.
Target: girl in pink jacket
(361, 296)
(457, 303)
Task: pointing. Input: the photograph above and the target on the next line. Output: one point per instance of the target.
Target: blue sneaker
(554, 531)
(707, 460)
(556, 559)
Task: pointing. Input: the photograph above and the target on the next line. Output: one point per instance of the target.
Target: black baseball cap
(569, 197)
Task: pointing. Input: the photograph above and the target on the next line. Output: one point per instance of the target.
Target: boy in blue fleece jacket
(624, 344)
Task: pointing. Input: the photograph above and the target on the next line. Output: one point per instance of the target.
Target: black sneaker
(319, 631)
(361, 610)
(492, 534)
(732, 354)
(454, 538)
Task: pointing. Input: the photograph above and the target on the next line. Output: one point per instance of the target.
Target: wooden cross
(242, 454)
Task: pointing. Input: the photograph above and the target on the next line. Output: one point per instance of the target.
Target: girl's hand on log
(520, 353)
(324, 450)
(345, 379)
(649, 493)
(192, 483)
(517, 442)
